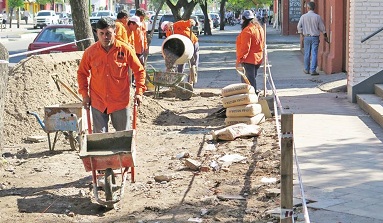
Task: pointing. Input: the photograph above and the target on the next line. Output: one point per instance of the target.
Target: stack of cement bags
(241, 105)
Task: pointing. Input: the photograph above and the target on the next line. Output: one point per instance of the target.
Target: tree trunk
(81, 23)
(150, 36)
(222, 15)
(176, 9)
(4, 56)
(207, 27)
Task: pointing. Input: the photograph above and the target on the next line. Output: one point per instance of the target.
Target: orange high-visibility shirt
(121, 32)
(130, 35)
(140, 40)
(109, 82)
(183, 28)
(250, 44)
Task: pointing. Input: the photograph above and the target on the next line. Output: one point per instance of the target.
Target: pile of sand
(31, 88)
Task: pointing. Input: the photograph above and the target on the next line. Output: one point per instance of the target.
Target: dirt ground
(37, 185)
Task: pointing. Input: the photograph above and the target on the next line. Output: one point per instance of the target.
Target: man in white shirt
(310, 26)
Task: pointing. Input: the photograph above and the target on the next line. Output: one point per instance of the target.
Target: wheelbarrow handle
(134, 123)
(88, 121)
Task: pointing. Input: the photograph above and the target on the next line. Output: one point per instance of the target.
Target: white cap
(248, 14)
(136, 19)
(165, 23)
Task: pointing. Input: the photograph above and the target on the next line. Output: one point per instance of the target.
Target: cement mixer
(176, 49)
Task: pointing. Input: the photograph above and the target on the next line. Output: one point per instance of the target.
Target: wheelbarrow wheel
(184, 91)
(74, 143)
(109, 181)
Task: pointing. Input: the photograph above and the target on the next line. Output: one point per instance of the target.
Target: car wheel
(35, 27)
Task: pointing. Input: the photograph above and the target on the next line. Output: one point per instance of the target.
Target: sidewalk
(338, 145)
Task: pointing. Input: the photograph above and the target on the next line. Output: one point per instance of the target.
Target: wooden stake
(286, 165)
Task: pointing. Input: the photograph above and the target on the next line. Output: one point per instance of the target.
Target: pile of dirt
(31, 88)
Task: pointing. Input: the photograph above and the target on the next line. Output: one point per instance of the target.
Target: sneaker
(314, 73)
(306, 71)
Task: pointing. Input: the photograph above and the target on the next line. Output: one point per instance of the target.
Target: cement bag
(236, 131)
(241, 88)
(255, 120)
(244, 110)
(239, 99)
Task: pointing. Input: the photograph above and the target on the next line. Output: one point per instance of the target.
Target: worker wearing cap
(103, 79)
(249, 47)
(183, 28)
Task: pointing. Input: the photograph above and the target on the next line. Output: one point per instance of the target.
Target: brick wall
(365, 59)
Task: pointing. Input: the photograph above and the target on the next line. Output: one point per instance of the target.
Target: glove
(192, 22)
(86, 102)
(138, 99)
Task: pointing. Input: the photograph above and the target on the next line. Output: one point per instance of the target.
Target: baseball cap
(136, 19)
(248, 14)
(165, 23)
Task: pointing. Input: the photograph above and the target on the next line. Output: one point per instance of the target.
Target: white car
(95, 16)
(151, 22)
(44, 18)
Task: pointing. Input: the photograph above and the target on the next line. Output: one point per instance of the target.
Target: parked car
(54, 35)
(151, 23)
(201, 18)
(216, 19)
(95, 16)
(44, 18)
(166, 17)
(197, 29)
(63, 18)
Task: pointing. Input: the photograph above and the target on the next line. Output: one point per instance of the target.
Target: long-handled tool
(241, 71)
(58, 82)
(193, 77)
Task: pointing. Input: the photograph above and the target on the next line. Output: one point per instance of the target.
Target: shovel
(58, 82)
(262, 101)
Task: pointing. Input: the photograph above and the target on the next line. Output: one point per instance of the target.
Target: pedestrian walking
(107, 93)
(249, 47)
(310, 26)
(26, 16)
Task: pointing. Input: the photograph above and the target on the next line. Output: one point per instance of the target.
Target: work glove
(138, 99)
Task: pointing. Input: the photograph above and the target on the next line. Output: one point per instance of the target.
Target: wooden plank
(286, 164)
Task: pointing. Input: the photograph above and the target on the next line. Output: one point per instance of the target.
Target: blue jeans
(120, 120)
(251, 73)
(311, 44)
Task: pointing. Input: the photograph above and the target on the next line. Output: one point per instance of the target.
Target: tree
(207, 28)
(187, 5)
(222, 15)
(15, 4)
(81, 23)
